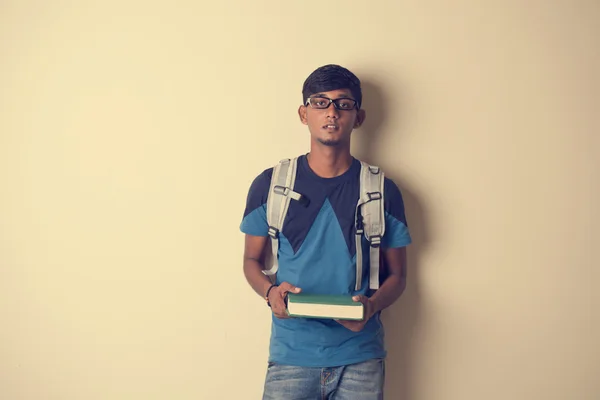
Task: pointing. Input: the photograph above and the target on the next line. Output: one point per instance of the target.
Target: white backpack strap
(281, 192)
(370, 220)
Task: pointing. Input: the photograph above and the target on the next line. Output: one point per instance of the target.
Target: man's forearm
(255, 277)
(391, 289)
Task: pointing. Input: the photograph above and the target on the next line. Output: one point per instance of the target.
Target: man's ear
(360, 118)
(302, 115)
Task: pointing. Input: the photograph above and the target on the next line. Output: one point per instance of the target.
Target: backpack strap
(370, 221)
(281, 192)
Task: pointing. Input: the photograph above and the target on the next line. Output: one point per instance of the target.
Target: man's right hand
(277, 297)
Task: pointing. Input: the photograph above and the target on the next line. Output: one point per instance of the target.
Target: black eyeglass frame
(334, 101)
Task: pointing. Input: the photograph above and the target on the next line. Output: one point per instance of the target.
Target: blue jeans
(362, 381)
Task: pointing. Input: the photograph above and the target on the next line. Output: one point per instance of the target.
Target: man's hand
(277, 297)
(357, 326)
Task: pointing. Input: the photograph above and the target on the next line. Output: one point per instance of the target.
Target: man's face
(330, 126)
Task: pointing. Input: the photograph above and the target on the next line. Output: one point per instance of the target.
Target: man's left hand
(369, 310)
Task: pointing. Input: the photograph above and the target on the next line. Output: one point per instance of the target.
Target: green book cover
(304, 305)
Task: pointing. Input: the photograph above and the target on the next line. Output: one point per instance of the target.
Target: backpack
(369, 217)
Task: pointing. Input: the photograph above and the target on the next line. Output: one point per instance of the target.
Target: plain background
(131, 131)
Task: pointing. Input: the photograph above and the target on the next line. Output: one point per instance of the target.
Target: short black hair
(331, 77)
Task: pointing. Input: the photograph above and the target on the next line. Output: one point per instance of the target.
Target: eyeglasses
(322, 103)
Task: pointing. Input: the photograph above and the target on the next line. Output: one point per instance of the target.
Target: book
(304, 305)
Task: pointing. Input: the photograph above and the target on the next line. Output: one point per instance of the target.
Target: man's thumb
(288, 287)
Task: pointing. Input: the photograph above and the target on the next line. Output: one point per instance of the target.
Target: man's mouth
(331, 126)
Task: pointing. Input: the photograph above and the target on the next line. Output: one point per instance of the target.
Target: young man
(324, 358)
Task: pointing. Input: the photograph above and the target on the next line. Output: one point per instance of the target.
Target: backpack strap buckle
(374, 196)
(282, 190)
(273, 232)
(286, 191)
(375, 241)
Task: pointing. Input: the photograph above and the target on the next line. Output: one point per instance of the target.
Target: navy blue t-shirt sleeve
(254, 221)
(396, 227)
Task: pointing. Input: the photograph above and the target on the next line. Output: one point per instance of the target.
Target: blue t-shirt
(317, 252)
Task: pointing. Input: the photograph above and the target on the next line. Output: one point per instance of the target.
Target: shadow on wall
(401, 320)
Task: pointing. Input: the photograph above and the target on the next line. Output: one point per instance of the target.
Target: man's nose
(332, 111)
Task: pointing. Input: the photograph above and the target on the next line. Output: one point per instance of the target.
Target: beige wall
(130, 132)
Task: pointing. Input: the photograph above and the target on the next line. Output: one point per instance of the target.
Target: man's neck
(329, 162)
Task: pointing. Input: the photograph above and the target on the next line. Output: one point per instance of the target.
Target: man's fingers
(360, 298)
(279, 309)
(286, 287)
(278, 306)
(281, 315)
